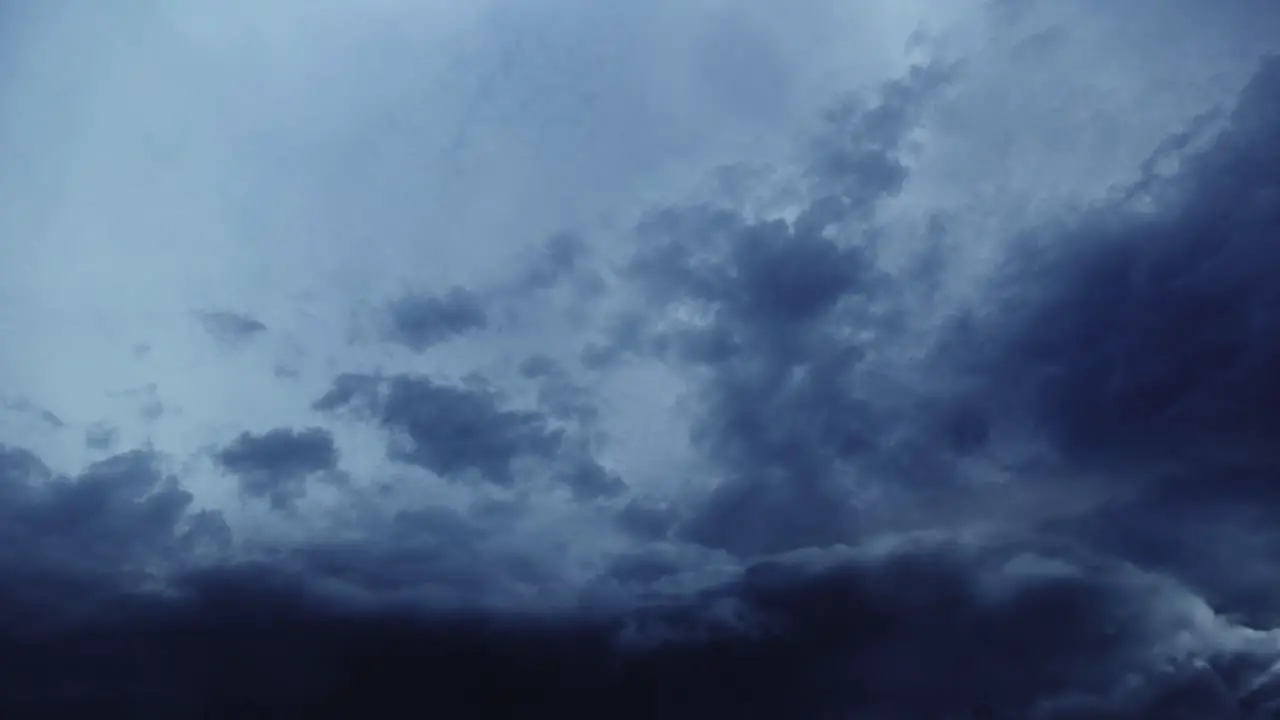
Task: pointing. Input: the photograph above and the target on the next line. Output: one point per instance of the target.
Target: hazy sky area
(879, 360)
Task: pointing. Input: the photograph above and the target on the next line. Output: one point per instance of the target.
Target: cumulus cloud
(421, 321)
(464, 431)
(107, 530)
(847, 393)
(276, 464)
(448, 429)
(778, 316)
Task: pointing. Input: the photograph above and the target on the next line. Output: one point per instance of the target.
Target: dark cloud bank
(1139, 341)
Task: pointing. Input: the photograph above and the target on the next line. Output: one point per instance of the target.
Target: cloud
(766, 310)
(108, 529)
(449, 429)
(590, 480)
(1149, 336)
(463, 431)
(894, 630)
(230, 328)
(276, 464)
(421, 321)
(1140, 338)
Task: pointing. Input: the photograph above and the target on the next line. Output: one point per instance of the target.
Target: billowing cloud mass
(640, 360)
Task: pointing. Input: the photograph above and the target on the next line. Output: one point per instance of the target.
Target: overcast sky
(728, 358)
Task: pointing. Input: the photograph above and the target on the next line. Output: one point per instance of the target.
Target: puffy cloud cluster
(777, 318)
(460, 431)
(276, 464)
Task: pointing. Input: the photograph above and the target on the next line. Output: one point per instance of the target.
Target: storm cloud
(656, 360)
(1150, 335)
(923, 630)
(1146, 350)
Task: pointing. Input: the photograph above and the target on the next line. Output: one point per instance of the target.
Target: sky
(653, 359)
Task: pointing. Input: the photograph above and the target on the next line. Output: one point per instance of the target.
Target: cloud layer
(649, 362)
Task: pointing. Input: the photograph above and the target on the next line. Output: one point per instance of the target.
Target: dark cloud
(108, 529)
(276, 464)
(448, 429)
(457, 430)
(782, 310)
(859, 159)
(1143, 340)
(932, 630)
(1223, 547)
(230, 328)
(433, 557)
(1152, 332)
(419, 322)
(589, 480)
(118, 510)
(350, 389)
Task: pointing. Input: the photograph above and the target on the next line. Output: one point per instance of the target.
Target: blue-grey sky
(875, 359)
